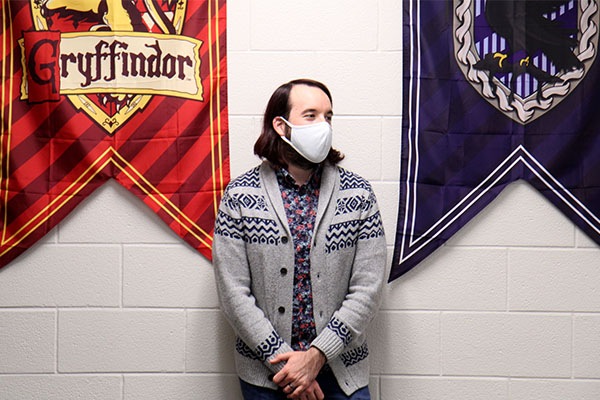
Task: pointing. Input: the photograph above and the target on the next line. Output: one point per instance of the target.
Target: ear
(279, 126)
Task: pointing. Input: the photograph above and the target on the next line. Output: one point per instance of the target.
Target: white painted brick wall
(27, 341)
(132, 340)
(112, 305)
(61, 387)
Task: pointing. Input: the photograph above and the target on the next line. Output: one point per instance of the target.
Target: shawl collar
(328, 185)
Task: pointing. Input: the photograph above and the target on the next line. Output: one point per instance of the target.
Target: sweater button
(283, 271)
(281, 309)
(284, 240)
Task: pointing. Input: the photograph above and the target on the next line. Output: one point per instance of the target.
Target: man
(299, 255)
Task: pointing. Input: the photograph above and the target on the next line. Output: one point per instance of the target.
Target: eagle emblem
(525, 56)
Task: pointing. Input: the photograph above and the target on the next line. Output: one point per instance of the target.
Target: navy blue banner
(496, 91)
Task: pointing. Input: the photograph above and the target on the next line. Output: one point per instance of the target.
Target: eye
(328, 118)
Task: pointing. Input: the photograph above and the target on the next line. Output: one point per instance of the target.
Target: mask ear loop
(288, 141)
(286, 122)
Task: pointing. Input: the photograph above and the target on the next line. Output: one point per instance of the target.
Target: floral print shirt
(300, 204)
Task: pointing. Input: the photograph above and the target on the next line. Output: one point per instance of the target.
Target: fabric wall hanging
(99, 89)
(496, 91)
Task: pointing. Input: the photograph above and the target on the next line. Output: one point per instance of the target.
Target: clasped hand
(300, 371)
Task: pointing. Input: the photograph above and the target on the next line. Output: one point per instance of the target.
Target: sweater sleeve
(364, 291)
(233, 279)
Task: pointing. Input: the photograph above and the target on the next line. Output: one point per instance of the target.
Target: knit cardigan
(253, 257)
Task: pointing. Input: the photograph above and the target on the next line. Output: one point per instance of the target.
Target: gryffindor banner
(133, 90)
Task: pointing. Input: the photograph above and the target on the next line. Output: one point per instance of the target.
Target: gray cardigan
(253, 256)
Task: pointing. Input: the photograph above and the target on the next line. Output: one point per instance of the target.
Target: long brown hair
(269, 145)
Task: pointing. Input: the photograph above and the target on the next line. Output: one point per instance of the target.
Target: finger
(310, 395)
(281, 357)
(319, 393)
(313, 391)
(289, 385)
(296, 393)
(287, 389)
(281, 378)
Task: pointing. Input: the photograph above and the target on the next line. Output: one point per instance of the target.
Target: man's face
(309, 105)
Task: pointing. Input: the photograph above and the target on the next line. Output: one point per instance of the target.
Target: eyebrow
(330, 112)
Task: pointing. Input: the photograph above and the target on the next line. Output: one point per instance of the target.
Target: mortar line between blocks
(518, 247)
(122, 386)
(572, 345)
(115, 308)
(122, 272)
(482, 311)
(249, 20)
(441, 372)
(185, 329)
(56, 341)
(381, 149)
(507, 260)
(488, 377)
(378, 30)
(457, 377)
(129, 373)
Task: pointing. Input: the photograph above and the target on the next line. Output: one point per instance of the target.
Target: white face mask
(311, 141)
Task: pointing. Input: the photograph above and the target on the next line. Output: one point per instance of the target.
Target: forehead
(304, 97)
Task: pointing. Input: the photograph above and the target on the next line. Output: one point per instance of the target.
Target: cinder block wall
(112, 305)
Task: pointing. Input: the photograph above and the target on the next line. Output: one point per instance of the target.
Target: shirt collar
(286, 179)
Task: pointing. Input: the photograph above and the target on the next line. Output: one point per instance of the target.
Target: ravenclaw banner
(495, 91)
(133, 90)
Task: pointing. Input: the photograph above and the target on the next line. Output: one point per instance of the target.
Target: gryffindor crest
(116, 54)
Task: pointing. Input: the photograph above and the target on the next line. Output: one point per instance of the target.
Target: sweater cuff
(333, 339)
(285, 348)
(269, 348)
(329, 343)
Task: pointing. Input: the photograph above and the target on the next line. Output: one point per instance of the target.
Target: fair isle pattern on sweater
(249, 179)
(244, 350)
(248, 229)
(349, 180)
(354, 203)
(244, 200)
(347, 234)
(355, 355)
(269, 346)
(340, 330)
(263, 351)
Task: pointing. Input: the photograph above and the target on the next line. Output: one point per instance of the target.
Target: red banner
(94, 90)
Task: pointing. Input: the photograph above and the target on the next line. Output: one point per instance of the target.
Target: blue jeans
(327, 382)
